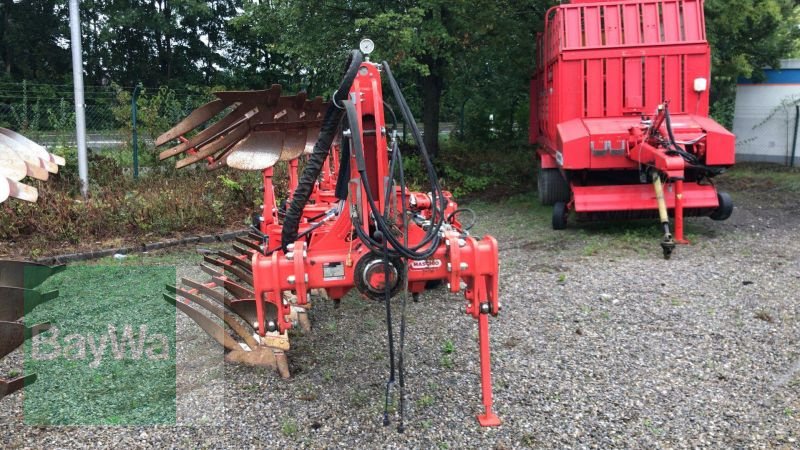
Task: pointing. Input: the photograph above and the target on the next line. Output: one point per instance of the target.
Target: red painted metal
(640, 197)
(467, 264)
(606, 71)
(269, 287)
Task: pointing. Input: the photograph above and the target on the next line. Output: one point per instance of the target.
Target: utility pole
(77, 80)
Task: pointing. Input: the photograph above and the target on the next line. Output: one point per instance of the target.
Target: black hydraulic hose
(466, 210)
(391, 113)
(330, 124)
(673, 144)
(431, 238)
(387, 297)
(438, 201)
(688, 157)
(401, 357)
(398, 248)
(344, 171)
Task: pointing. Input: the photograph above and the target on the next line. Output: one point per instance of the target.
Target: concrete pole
(77, 80)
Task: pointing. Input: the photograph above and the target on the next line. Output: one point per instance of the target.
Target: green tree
(747, 36)
(433, 45)
(33, 35)
(171, 42)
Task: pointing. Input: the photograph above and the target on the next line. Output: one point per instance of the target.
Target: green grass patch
(523, 219)
(109, 357)
(766, 177)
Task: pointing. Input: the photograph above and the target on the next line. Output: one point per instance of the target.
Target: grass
(121, 209)
(764, 177)
(526, 224)
(448, 347)
(359, 399)
(109, 358)
(289, 427)
(426, 401)
(446, 361)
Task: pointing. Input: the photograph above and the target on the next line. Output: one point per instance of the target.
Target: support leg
(488, 418)
(679, 213)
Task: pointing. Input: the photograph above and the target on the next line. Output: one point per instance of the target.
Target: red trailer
(619, 108)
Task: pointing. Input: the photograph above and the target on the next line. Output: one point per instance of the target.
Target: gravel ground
(601, 343)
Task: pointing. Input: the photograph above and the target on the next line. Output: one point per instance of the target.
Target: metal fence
(46, 113)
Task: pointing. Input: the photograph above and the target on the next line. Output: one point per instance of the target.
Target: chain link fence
(45, 113)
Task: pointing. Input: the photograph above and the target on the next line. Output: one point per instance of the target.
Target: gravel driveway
(601, 343)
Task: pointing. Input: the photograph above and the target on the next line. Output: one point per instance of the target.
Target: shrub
(476, 169)
(184, 201)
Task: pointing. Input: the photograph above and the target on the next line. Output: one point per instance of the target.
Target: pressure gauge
(367, 46)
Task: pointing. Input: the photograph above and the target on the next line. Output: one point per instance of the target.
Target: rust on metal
(220, 311)
(235, 289)
(259, 129)
(25, 274)
(193, 120)
(16, 302)
(13, 334)
(8, 387)
(213, 329)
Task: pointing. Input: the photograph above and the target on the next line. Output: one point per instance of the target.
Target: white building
(766, 116)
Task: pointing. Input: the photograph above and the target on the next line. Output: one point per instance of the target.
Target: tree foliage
(462, 61)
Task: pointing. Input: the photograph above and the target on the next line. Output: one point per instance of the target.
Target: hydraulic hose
(690, 158)
(330, 124)
(398, 248)
(344, 170)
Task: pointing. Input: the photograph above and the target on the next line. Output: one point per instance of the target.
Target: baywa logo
(94, 347)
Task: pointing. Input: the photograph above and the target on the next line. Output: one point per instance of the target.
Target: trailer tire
(560, 216)
(725, 209)
(552, 187)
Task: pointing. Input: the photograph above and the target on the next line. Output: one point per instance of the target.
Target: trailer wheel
(725, 208)
(552, 187)
(560, 216)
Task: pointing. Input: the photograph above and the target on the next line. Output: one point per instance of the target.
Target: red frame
(465, 263)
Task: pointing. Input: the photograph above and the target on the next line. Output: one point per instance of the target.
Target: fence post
(135, 134)
(796, 125)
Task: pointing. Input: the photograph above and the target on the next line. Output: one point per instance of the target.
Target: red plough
(350, 222)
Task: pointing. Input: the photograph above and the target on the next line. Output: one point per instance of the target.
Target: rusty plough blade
(13, 334)
(8, 387)
(238, 315)
(17, 298)
(254, 131)
(25, 274)
(16, 302)
(19, 158)
(261, 129)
